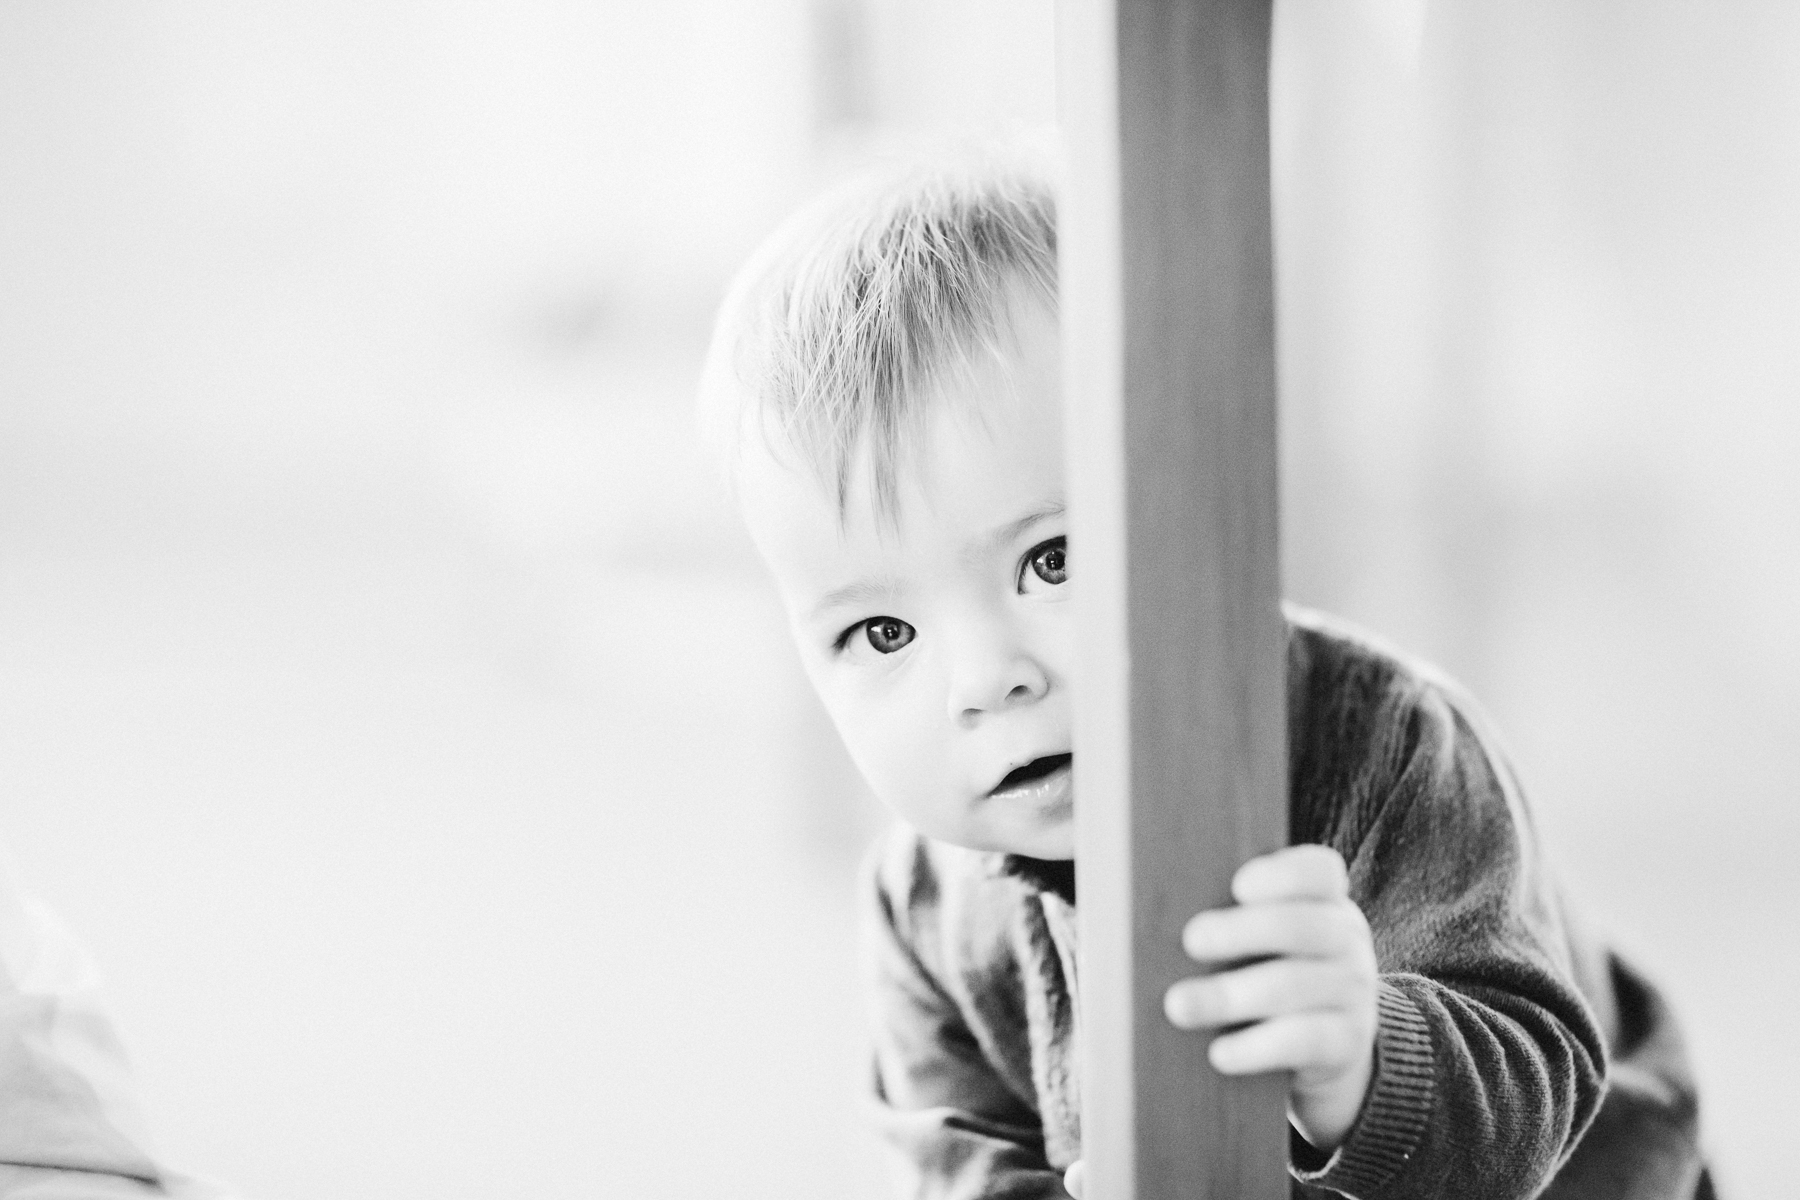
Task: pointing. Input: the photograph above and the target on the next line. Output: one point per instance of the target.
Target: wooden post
(1168, 311)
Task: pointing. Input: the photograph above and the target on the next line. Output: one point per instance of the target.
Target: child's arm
(1470, 1049)
(1469, 1065)
(1487, 1064)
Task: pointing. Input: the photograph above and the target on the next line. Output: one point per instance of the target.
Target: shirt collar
(1037, 874)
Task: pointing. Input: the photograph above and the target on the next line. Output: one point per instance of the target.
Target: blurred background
(387, 695)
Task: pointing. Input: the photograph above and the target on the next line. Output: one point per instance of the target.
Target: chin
(1053, 844)
(1049, 836)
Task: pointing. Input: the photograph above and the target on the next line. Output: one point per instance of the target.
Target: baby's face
(942, 647)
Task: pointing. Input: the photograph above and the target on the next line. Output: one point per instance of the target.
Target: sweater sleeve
(959, 1130)
(1489, 1064)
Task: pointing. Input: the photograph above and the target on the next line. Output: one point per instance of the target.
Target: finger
(1074, 1179)
(1309, 928)
(1313, 1043)
(1294, 873)
(1267, 989)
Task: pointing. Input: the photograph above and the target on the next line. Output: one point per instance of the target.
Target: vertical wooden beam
(1181, 772)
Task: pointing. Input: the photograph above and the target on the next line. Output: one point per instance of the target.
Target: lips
(1034, 774)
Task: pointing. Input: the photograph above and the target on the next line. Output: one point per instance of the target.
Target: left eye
(887, 635)
(1048, 561)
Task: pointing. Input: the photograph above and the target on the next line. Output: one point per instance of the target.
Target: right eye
(886, 634)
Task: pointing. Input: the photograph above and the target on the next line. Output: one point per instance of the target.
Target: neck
(1044, 875)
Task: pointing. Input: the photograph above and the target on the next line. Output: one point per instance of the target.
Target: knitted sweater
(1514, 1053)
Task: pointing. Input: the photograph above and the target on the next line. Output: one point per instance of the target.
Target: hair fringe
(853, 314)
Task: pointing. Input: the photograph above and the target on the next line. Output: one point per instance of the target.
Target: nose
(992, 673)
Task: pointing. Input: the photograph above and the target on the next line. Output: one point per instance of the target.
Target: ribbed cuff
(1399, 1105)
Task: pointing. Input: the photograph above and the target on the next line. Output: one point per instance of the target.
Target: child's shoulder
(1330, 647)
(1363, 715)
(1343, 675)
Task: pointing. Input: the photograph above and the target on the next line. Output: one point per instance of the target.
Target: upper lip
(1032, 768)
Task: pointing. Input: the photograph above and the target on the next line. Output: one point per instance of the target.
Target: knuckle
(1340, 870)
(1269, 924)
(1328, 930)
(1224, 996)
(1325, 865)
(1316, 987)
(1261, 1047)
(1292, 929)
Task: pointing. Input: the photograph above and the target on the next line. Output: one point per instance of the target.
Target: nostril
(1023, 693)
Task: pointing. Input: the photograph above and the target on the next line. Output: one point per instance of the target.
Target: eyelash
(1059, 542)
(862, 627)
(1026, 563)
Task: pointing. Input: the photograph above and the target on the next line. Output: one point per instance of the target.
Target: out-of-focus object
(70, 1128)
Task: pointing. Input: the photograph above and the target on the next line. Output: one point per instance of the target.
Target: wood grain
(1168, 310)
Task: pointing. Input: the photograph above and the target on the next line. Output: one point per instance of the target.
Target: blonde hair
(836, 333)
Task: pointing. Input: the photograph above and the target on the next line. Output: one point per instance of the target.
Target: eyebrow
(852, 593)
(1013, 529)
(864, 590)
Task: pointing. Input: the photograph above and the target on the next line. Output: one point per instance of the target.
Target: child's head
(884, 382)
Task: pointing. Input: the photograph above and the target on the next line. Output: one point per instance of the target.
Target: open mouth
(1033, 771)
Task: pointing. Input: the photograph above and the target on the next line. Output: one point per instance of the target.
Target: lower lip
(1056, 789)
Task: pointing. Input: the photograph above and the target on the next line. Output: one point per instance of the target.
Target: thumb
(1073, 1179)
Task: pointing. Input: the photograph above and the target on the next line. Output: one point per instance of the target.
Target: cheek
(891, 735)
(881, 733)
(1053, 642)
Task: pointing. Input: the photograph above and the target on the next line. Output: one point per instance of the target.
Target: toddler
(883, 382)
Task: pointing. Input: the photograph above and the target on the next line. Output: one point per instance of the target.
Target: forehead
(988, 449)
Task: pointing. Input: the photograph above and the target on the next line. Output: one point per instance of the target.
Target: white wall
(1539, 302)
(387, 697)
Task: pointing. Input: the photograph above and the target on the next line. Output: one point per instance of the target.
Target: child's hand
(1307, 1001)
(1308, 1004)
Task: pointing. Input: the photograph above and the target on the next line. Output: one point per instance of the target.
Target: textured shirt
(1515, 1056)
